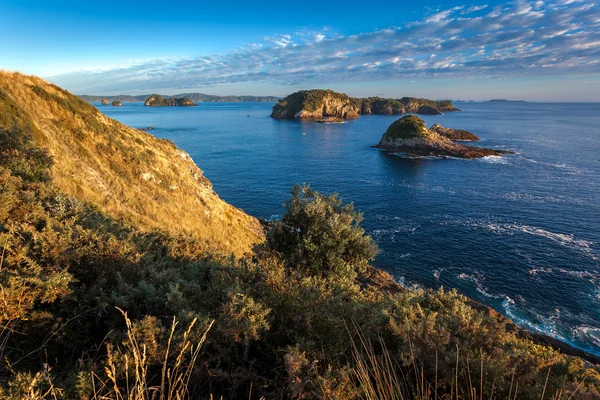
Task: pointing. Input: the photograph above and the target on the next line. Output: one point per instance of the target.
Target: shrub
(320, 236)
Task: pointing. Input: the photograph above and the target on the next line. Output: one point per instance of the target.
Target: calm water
(521, 233)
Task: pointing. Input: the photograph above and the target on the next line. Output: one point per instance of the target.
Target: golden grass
(128, 173)
(174, 378)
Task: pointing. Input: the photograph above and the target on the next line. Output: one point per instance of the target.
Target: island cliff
(315, 104)
(158, 101)
(320, 104)
(410, 135)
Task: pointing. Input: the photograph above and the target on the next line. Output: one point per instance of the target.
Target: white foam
(495, 160)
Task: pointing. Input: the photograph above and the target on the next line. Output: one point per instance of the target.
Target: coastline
(383, 280)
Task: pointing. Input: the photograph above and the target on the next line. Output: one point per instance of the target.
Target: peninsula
(330, 106)
(409, 135)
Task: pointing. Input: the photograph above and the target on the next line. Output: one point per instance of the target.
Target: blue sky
(533, 50)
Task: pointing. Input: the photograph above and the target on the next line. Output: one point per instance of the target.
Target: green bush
(321, 236)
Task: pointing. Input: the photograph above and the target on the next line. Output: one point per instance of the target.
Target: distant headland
(195, 97)
(330, 106)
(506, 101)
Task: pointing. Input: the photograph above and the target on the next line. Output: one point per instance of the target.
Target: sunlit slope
(128, 173)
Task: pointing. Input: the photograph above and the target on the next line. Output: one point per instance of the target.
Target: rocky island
(105, 102)
(330, 106)
(159, 101)
(409, 135)
(117, 103)
(454, 134)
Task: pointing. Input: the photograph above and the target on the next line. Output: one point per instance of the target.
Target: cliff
(410, 135)
(128, 173)
(315, 104)
(158, 101)
(318, 104)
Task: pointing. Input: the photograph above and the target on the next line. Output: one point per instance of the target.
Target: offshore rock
(315, 104)
(454, 134)
(409, 135)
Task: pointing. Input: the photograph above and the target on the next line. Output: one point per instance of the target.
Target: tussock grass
(128, 173)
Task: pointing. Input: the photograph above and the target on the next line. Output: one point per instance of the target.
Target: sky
(531, 50)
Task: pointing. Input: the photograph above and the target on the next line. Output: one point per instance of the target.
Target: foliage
(321, 236)
(407, 127)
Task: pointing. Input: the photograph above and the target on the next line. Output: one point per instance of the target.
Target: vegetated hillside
(319, 103)
(127, 173)
(195, 97)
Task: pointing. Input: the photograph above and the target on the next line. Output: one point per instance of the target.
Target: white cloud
(514, 40)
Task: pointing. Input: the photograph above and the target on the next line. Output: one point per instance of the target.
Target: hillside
(195, 97)
(126, 172)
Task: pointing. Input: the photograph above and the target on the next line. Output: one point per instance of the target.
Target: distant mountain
(195, 97)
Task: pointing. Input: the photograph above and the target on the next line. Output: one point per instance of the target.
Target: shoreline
(382, 279)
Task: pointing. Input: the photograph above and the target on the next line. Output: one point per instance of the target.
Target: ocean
(519, 233)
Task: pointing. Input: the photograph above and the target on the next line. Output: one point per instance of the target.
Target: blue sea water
(519, 233)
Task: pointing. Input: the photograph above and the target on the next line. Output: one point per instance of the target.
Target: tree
(321, 236)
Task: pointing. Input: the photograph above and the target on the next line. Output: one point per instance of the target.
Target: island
(105, 101)
(195, 97)
(117, 103)
(454, 134)
(410, 136)
(157, 100)
(329, 106)
(505, 101)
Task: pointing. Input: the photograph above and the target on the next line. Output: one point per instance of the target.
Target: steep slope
(126, 172)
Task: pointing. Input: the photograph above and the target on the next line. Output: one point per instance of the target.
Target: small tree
(321, 236)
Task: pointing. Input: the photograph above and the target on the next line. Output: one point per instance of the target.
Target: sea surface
(519, 233)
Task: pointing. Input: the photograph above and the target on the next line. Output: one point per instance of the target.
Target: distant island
(330, 106)
(505, 101)
(195, 97)
(409, 135)
(157, 100)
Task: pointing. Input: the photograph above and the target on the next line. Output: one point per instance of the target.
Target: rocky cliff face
(318, 104)
(158, 101)
(127, 173)
(454, 134)
(410, 135)
(315, 104)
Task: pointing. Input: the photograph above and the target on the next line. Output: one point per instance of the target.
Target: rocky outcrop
(159, 101)
(117, 103)
(409, 135)
(318, 104)
(428, 110)
(315, 104)
(454, 134)
(105, 102)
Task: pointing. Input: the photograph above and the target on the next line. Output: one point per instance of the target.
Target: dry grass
(128, 173)
(381, 378)
(174, 378)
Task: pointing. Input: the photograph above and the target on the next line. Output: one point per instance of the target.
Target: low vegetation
(287, 321)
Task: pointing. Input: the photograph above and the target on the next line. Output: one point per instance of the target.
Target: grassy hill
(128, 173)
